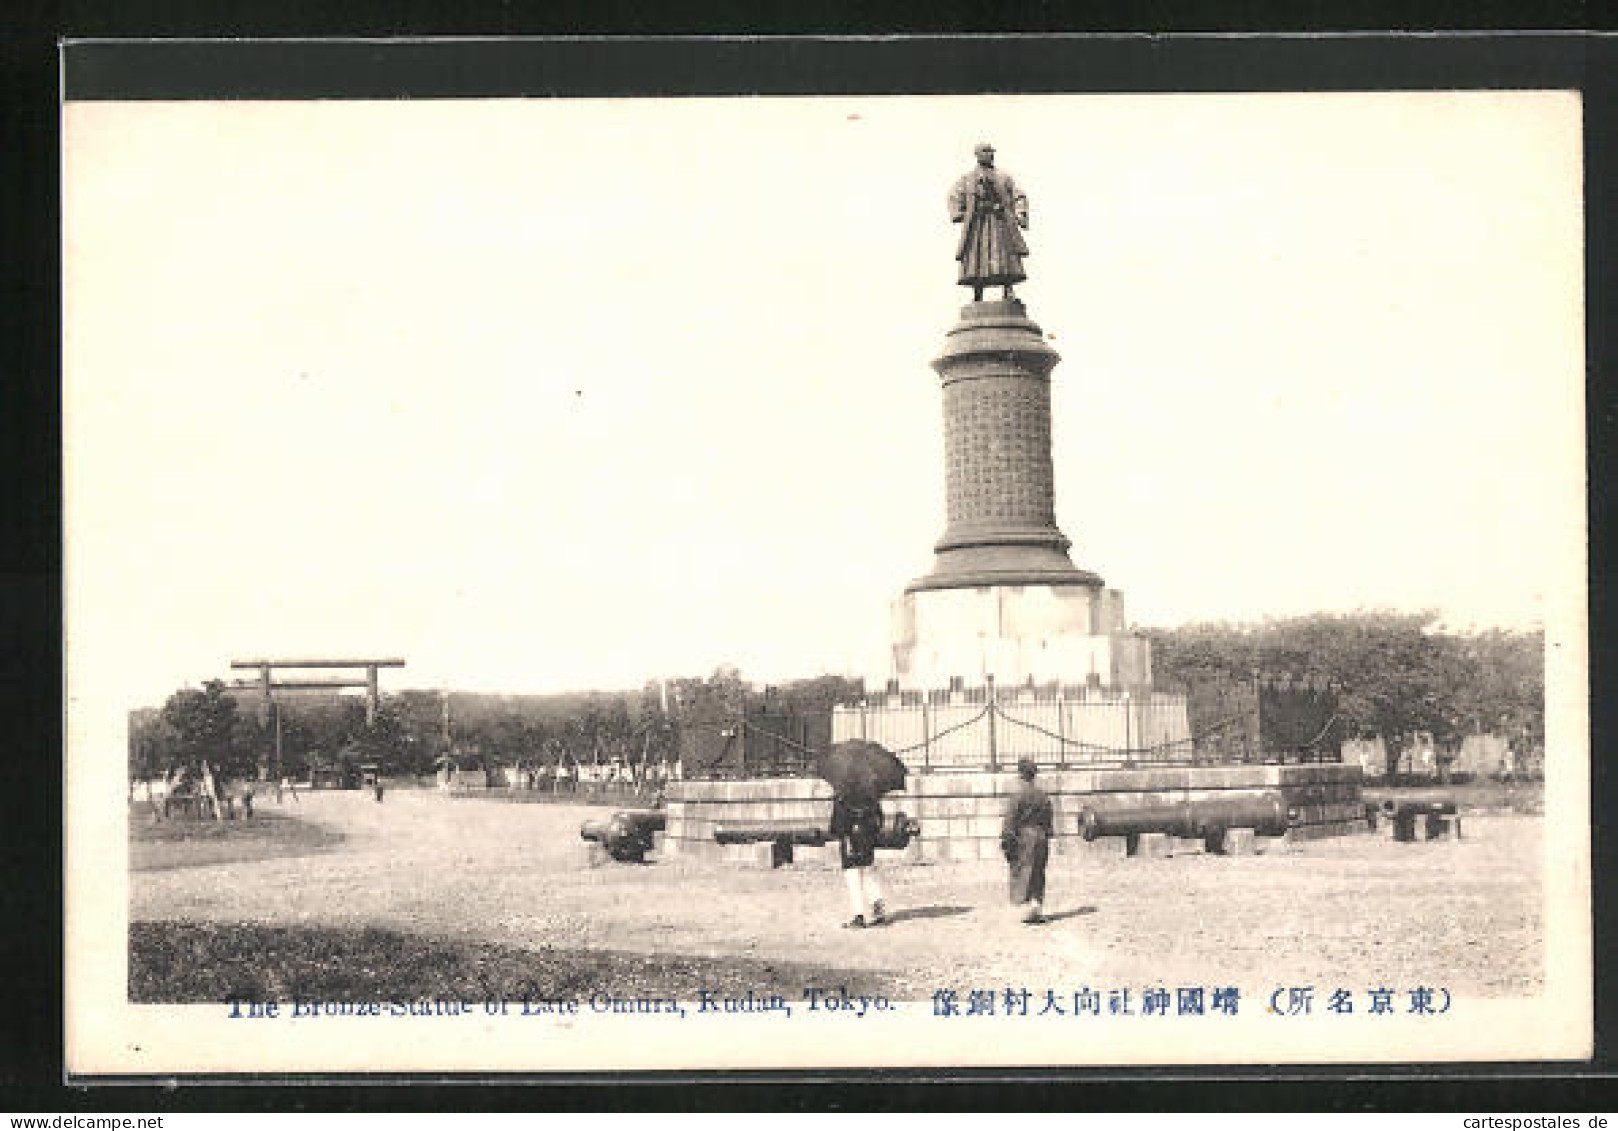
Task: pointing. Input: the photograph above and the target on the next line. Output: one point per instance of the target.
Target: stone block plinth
(1151, 846)
(1234, 842)
(1442, 826)
(1072, 634)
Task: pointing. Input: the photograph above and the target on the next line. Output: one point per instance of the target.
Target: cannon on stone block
(1423, 800)
(627, 834)
(1205, 819)
(896, 833)
(1436, 813)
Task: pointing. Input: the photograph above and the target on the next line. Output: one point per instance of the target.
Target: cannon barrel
(1392, 800)
(896, 832)
(1203, 817)
(627, 834)
(1423, 807)
(757, 831)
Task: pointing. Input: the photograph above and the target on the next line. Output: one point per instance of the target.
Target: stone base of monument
(960, 812)
(1021, 632)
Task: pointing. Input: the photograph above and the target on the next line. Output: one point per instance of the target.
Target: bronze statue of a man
(991, 209)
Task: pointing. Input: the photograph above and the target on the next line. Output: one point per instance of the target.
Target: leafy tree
(381, 742)
(204, 728)
(151, 743)
(1398, 674)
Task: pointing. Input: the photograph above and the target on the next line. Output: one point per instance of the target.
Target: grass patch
(184, 842)
(196, 963)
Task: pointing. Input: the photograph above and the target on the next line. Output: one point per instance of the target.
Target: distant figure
(379, 791)
(856, 822)
(1025, 839)
(991, 210)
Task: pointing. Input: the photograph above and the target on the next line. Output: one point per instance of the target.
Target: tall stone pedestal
(999, 486)
(1003, 598)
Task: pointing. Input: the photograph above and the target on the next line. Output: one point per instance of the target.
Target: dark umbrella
(857, 768)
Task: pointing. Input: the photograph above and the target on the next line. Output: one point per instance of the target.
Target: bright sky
(568, 394)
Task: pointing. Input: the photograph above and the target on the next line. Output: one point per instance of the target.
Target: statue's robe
(1025, 838)
(989, 208)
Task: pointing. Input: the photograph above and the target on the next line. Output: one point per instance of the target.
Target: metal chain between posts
(998, 710)
(1065, 743)
(1331, 722)
(947, 730)
(1124, 750)
(781, 738)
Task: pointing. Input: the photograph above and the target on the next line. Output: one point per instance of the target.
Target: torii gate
(267, 683)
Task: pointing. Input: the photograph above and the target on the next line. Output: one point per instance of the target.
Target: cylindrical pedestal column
(1001, 504)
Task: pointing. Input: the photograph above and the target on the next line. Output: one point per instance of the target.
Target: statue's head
(985, 153)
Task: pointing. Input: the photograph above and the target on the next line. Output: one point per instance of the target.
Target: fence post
(994, 753)
(1061, 725)
(926, 735)
(1129, 739)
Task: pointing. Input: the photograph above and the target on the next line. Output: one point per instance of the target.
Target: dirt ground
(1355, 912)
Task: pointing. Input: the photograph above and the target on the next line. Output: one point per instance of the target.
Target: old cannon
(1201, 818)
(1390, 801)
(1436, 812)
(896, 833)
(627, 834)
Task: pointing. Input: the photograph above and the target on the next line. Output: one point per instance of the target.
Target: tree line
(1397, 675)
(416, 732)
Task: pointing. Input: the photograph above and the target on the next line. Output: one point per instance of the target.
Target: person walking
(1025, 840)
(856, 821)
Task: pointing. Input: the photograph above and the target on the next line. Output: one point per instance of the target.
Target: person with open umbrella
(860, 773)
(856, 821)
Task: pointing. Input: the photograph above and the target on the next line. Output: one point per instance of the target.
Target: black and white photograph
(582, 584)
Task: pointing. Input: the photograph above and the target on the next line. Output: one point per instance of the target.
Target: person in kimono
(1025, 839)
(990, 209)
(856, 822)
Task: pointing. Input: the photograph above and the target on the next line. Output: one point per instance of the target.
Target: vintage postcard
(573, 585)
